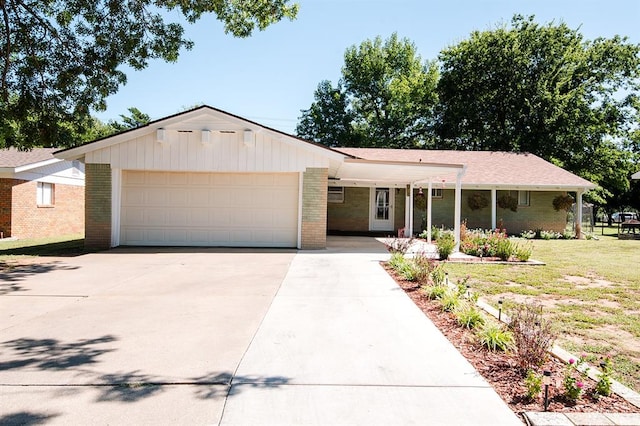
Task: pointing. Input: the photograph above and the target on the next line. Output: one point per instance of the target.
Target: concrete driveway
(228, 337)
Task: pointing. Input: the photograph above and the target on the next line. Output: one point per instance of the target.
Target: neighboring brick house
(40, 195)
(205, 177)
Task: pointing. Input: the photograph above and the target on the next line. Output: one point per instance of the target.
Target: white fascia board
(525, 187)
(36, 165)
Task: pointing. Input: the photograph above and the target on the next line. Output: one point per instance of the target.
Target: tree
(328, 120)
(385, 98)
(539, 89)
(135, 119)
(59, 59)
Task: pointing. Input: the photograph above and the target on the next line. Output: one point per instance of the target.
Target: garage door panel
(209, 209)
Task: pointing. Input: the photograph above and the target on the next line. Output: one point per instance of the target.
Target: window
(336, 194)
(436, 192)
(522, 196)
(45, 194)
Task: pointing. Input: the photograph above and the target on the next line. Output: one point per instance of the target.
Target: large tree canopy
(59, 59)
(542, 89)
(385, 98)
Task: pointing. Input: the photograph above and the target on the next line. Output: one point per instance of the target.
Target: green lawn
(67, 245)
(589, 288)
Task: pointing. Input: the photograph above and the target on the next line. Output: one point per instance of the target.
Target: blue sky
(272, 75)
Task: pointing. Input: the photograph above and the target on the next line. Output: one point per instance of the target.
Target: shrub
(477, 201)
(528, 235)
(506, 201)
(397, 261)
(469, 316)
(504, 249)
(533, 382)
(523, 252)
(409, 271)
(446, 243)
(563, 202)
(398, 245)
(423, 235)
(533, 336)
(494, 337)
(436, 233)
(438, 275)
(450, 301)
(434, 292)
(424, 267)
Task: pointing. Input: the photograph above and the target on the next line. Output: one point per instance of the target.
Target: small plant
(424, 235)
(528, 235)
(424, 267)
(563, 202)
(446, 243)
(523, 252)
(477, 201)
(533, 336)
(603, 386)
(506, 201)
(504, 249)
(434, 292)
(435, 233)
(573, 380)
(567, 235)
(397, 261)
(533, 382)
(494, 337)
(469, 316)
(550, 235)
(398, 245)
(438, 275)
(409, 271)
(450, 301)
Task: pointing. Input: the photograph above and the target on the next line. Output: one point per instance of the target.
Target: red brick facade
(21, 217)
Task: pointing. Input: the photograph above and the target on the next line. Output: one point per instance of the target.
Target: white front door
(381, 211)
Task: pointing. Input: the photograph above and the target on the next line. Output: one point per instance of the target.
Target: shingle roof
(12, 157)
(483, 167)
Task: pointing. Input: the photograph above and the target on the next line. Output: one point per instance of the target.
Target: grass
(68, 245)
(590, 290)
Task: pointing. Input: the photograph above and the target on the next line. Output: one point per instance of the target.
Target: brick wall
(353, 214)
(28, 220)
(98, 206)
(5, 206)
(538, 214)
(314, 208)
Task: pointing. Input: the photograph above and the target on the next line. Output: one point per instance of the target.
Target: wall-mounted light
(161, 136)
(249, 139)
(205, 137)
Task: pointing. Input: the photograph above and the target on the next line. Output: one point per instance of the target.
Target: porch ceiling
(394, 171)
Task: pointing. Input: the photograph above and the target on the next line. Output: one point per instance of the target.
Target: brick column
(314, 208)
(97, 206)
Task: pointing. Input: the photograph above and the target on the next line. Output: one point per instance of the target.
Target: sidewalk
(342, 344)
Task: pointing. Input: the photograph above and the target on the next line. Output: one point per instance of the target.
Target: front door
(381, 212)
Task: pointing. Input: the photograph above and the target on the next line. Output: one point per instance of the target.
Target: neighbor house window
(436, 192)
(45, 194)
(336, 194)
(523, 198)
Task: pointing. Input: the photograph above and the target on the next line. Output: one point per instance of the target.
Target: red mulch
(501, 369)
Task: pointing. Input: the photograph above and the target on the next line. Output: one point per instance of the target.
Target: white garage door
(209, 209)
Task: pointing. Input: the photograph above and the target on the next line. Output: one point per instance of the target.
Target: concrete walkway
(230, 337)
(349, 347)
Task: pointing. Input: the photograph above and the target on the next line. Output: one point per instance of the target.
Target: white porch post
(408, 212)
(457, 207)
(428, 212)
(493, 209)
(578, 227)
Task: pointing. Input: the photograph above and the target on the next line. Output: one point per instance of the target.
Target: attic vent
(227, 131)
(185, 131)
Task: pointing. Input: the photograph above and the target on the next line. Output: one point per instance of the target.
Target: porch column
(493, 208)
(409, 225)
(578, 216)
(457, 206)
(428, 212)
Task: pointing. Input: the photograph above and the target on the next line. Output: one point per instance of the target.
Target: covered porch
(378, 196)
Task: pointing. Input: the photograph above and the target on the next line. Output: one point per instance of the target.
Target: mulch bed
(501, 369)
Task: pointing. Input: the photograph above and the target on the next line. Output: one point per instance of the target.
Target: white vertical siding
(226, 152)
